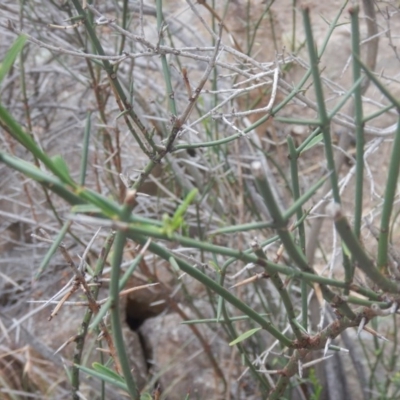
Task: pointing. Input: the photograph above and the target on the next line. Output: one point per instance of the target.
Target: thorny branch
(254, 75)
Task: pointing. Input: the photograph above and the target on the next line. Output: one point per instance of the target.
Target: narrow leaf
(107, 372)
(31, 171)
(10, 57)
(53, 249)
(85, 150)
(304, 198)
(244, 336)
(103, 377)
(319, 138)
(180, 211)
(62, 169)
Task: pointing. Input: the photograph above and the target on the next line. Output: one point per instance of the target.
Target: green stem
(280, 287)
(358, 108)
(302, 235)
(119, 246)
(355, 248)
(323, 115)
(85, 150)
(315, 343)
(114, 81)
(265, 386)
(208, 282)
(308, 273)
(287, 240)
(164, 63)
(80, 340)
(390, 193)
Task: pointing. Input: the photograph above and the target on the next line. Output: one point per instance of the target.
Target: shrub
(172, 140)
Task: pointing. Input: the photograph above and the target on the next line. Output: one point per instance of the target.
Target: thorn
(300, 366)
(250, 280)
(311, 363)
(103, 350)
(65, 344)
(361, 326)
(337, 348)
(327, 344)
(376, 334)
(271, 371)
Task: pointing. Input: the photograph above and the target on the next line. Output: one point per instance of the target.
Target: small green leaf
(180, 211)
(244, 336)
(107, 372)
(105, 376)
(301, 200)
(26, 140)
(50, 253)
(31, 171)
(215, 266)
(313, 142)
(146, 396)
(176, 223)
(167, 228)
(11, 55)
(62, 169)
(122, 114)
(108, 207)
(172, 224)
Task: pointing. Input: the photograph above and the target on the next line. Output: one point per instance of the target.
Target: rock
(180, 361)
